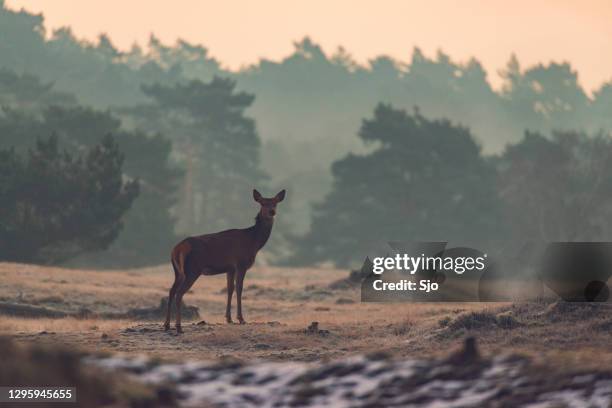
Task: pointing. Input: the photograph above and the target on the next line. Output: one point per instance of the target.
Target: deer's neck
(262, 230)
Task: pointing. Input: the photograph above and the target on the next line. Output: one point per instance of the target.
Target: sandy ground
(279, 304)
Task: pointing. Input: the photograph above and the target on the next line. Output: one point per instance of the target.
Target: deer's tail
(179, 259)
(175, 267)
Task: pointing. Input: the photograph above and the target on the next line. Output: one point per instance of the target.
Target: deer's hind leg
(170, 300)
(171, 296)
(189, 278)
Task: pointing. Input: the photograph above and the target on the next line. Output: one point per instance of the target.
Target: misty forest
(108, 158)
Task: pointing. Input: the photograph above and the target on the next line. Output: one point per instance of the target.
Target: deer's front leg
(239, 281)
(230, 292)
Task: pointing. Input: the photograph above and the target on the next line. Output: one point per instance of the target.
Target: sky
(239, 33)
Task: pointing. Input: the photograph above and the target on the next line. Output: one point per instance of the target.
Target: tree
(56, 205)
(27, 93)
(558, 188)
(423, 180)
(217, 143)
(96, 72)
(545, 97)
(149, 225)
(307, 106)
(602, 106)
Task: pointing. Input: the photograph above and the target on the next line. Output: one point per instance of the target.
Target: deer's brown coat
(231, 252)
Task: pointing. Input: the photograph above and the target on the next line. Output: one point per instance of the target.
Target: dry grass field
(279, 305)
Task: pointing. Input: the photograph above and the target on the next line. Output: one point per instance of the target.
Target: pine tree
(57, 205)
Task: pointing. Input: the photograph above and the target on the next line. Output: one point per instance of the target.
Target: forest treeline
(417, 149)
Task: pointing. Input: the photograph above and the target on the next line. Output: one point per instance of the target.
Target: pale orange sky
(240, 32)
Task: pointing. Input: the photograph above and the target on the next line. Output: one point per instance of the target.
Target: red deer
(231, 252)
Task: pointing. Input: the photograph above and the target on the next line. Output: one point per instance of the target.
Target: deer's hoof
(229, 320)
(241, 320)
(179, 330)
(166, 326)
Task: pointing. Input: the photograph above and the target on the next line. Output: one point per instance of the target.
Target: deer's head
(268, 205)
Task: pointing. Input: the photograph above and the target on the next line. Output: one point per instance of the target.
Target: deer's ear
(280, 196)
(256, 195)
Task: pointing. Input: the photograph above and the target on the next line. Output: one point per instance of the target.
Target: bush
(473, 320)
(55, 205)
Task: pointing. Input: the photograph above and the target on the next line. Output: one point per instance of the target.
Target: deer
(231, 252)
